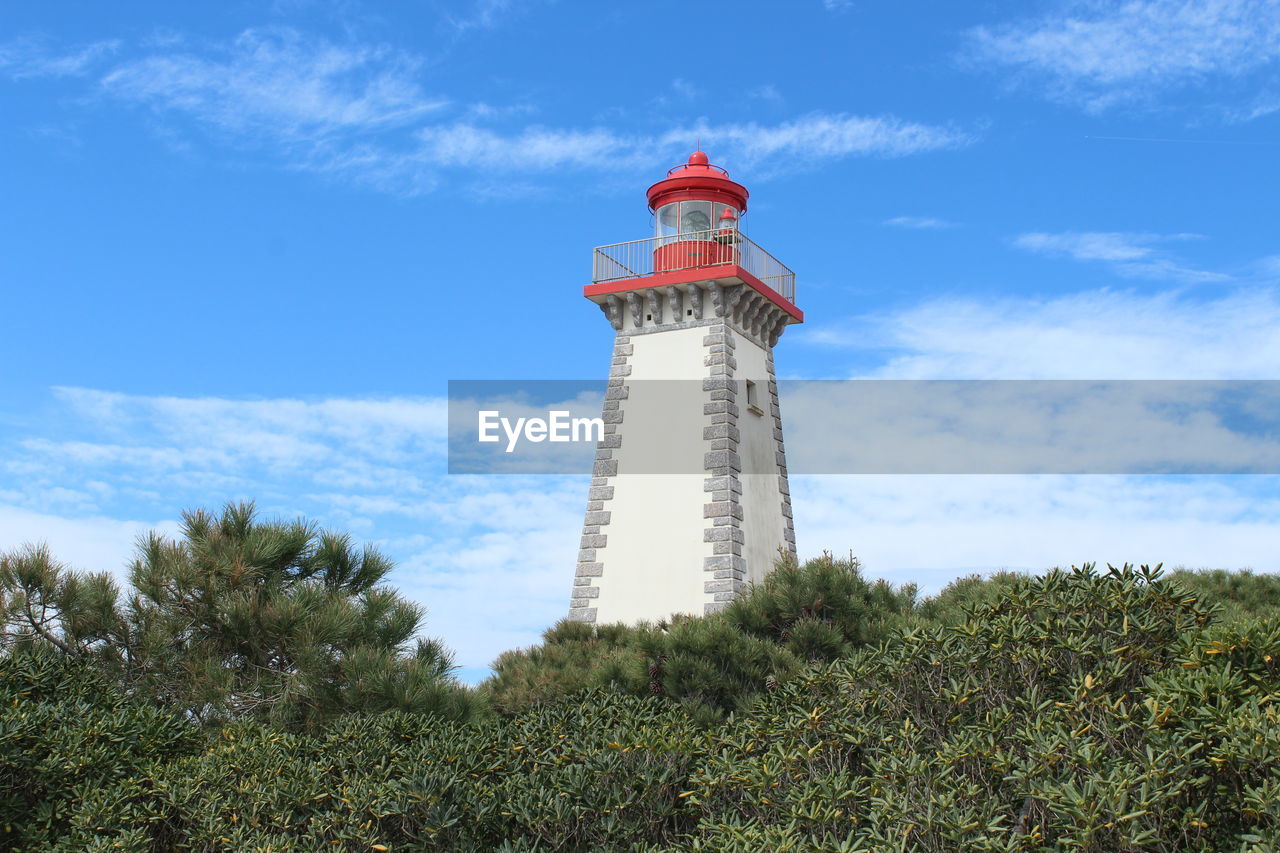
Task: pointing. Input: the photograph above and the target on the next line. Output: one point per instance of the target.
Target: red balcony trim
(662, 279)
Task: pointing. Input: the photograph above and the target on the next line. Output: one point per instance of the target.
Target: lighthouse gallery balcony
(716, 252)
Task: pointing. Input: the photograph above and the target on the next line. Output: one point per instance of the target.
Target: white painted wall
(653, 562)
(762, 520)
(654, 556)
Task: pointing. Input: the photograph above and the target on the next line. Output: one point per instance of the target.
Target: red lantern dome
(698, 180)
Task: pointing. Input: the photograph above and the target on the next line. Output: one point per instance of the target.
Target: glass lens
(695, 216)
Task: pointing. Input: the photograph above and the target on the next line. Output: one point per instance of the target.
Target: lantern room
(696, 197)
(697, 242)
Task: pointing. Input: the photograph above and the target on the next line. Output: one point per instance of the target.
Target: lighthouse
(697, 309)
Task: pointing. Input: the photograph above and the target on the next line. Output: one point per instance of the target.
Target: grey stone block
(600, 493)
(722, 508)
(584, 614)
(600, 518)
(724, 561)
(596, 540)
(590, 570)
(722, 458)
(717, 484)
(720, 431)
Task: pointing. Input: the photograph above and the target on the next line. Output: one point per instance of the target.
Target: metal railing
(691, 250)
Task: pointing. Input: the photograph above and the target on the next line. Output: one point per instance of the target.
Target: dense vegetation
(1115, 710)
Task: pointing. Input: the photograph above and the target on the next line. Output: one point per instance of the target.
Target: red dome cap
(698, 180)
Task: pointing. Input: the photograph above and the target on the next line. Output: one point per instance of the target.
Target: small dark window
(753, 403)
(648, 316)
(689, 313)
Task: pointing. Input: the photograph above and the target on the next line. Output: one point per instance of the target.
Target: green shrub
(65, 733)
(1077, 711)
(821, 610)
(817, 611)
(1080, 710)
(603, 774)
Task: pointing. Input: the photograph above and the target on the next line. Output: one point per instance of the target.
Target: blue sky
(243, 247)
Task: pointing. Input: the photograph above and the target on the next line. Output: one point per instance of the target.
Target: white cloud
(1099, 334)
(30, 57)
(767, 92)
(360, 112)
(1131, 254)
(90, 543)
(531, 149)
(485, 14)
(931, 529)
(823, 136)
(1102, 54)
(282, 84)
(919, 222)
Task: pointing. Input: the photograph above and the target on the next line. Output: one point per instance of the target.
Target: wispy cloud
(484, 14)
(919, 222)
(30, 57)
(1099, 54)
(1136, 255)
(281, 85)
(360, 112)
(1098, 334)
(824, 136)
(767, 92)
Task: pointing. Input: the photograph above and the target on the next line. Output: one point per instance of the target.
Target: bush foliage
(1089, 710)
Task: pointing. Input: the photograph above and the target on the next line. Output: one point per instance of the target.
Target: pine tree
(240, 618)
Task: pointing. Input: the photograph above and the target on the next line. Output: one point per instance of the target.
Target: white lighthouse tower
(689, 499)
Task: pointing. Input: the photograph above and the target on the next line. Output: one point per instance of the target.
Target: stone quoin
(697, 310)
